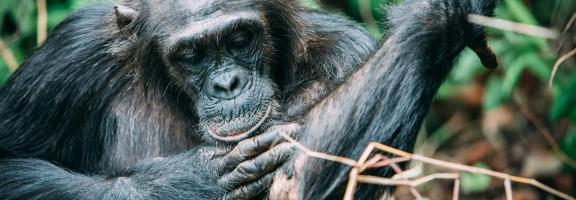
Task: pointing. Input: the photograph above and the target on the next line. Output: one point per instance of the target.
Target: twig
(561, 60)
(570, 23)
(8, 56)
(566, 29)
(392, 162)
(355, 177)
(456, 189)
(380, 160)
(308, 152)
(352, 183)
(543, 131)
(42, 21)
(513, 26)
(508, 188)
(410, 183)
(475, 170)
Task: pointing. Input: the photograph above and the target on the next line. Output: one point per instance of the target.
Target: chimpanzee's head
(222, 54)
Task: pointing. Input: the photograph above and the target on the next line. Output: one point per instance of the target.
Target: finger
(251, 190)
(252, 170)
(483, 51)
(254, 146)
(250, 147)
(289, 129)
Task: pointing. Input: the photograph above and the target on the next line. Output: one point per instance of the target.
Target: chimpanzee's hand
(252, 163)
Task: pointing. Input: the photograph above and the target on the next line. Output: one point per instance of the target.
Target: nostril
(227, 85)
(235, 83)
(218, 88)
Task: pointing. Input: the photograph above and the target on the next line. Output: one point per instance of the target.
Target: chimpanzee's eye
(190, 56)
(240, 38)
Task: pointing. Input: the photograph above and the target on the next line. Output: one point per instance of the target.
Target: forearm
(37, 179)
(386, 100)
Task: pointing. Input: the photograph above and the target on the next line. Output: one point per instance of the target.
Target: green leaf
(57, 13)
(475, 183)
(310, 4)
(531, 61)
(468, 65)
(520, 12)
(25, 16)
(500, 46)
(516, 11)
(4, 72)
(493, 97)
(446, 90)
(539, 66)
(5, 7)
(75, 4)
(513, 73)
(569, 143)
(565, 103)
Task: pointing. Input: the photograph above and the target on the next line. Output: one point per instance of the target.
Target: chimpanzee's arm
(386, 100)
(38, 179)
(243, 173)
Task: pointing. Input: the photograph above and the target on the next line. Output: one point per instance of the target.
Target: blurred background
(509, 119)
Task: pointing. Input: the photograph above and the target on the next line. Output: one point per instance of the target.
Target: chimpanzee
(184, 99)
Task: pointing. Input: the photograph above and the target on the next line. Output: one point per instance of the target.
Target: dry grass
(373, 158)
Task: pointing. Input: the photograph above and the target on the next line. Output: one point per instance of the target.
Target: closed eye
(190, 55)
(240, 38)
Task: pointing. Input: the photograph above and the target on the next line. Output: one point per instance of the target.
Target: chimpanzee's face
(219, 53)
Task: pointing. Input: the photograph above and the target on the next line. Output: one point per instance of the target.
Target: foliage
(473, 183)
(18, 25)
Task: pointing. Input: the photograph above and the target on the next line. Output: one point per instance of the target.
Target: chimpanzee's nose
(227, 84)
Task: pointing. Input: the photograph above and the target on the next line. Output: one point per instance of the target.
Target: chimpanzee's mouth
(237, 135)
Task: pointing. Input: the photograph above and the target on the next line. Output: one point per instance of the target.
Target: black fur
(92, 114)
(386, 100)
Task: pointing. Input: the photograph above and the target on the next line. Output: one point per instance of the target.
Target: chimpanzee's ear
(125, 16)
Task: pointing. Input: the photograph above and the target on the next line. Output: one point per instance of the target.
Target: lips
(237, 135)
